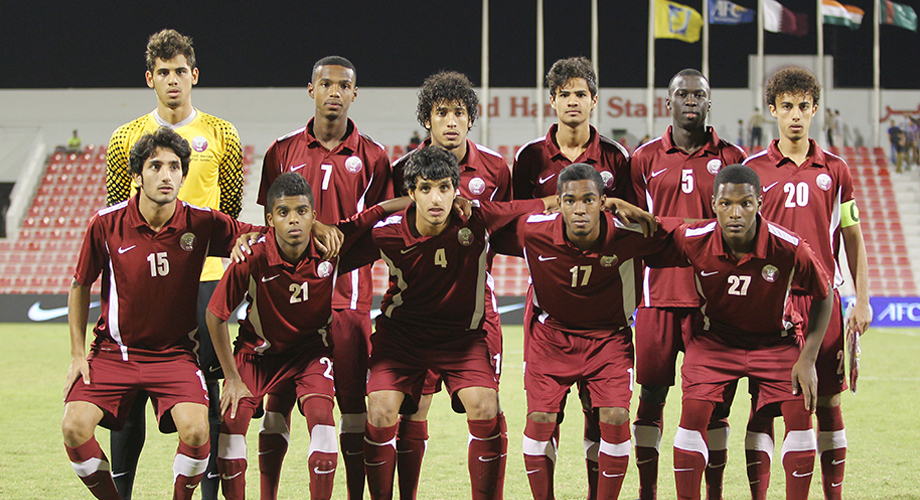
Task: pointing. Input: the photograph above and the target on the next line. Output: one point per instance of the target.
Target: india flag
(841, 15)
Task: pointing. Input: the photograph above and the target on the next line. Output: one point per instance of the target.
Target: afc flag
(725, 12)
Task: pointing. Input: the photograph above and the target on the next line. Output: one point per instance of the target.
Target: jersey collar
(816, 155)
(760, 242)
(136, 220)
(559, 238)
(163, 123)
(711, 147)
(469, 162)
(273, 254)
(592, 153)
(349, 145)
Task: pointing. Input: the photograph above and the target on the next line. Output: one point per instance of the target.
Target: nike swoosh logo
(684, 470)
(795, 473)
(316, 470)
(836, 485)
(191, 486)
(612, 475)
(487, 460)
(716, 466)
(656, 174)
(533, 471)
(123, 250)
(211, 475)
(266, 280)
(643, 462)
(403, 452)
(353, 453)
(212, 370)
(378, 464)
(266, 452)
(754, 463)
(767, 188)
(92, 485)
(119, 474)
(36, 313)
(704, 273)
(227, 478)
(407, 250)
(298, 167)
(542, 180)
(838, 462)
(544, 259)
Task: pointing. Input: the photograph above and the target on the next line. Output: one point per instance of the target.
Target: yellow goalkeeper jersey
(215, 174)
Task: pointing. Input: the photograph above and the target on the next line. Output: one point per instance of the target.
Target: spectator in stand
(73, 145)
(897, 140)
(858, 141)
(911, 135)
(755, 124)
(829, 127)
(414, 142)
(838, 130)
(741, 133)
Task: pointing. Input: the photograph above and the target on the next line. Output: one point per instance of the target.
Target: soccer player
(744, 267)
(583, 296)
(432, 316)
(215, 180)
(672, 177)
(349, 172)
(572, 139)
(447, 108)
(810, 191)
(150, 250)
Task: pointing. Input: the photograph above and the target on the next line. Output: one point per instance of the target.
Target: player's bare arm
(804, 374)
(234, 388)
(626, 212)
(78, 311)
(861, 316)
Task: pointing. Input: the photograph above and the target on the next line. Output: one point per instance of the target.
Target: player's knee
(829, 401)
(542, 417)
(653, 394)
(76, 430)
(614, 416)
(382, 410)
(194, 432)
(483, 405)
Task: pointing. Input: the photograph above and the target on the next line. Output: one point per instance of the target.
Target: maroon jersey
(671, 183)
(806, 198)
(744, 300)
(290, 306)
(538, 163)
(437, 283)
(150, 279)
(484, 175)
(354, 175)
(588, 293)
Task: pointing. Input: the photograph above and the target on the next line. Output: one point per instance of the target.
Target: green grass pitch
(883, 431)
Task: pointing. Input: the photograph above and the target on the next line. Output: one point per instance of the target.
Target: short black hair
(688, 72)
(736, 174)
(333, 61)
(564, 70)
(288, 184)
(446, 86)
(432, 164)
(579, 172)
(165, 138)
(793, 80)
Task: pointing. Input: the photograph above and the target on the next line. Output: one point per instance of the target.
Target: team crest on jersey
(477, 185)
(353, 164)
(608, 179)
(200, 144)
(769, 273)
(187, 242)
(714, 166)
(324, 269)
(823, 181)
(465, 236)
(608, 260)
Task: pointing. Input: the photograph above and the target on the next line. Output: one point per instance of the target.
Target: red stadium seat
(900, 249)
(881, 161)
(903, 261)
(872, 260)
(849, 150)
(879, 152)
(874, 272)
(68, 168)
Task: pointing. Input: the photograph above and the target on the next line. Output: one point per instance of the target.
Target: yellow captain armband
(849, 214)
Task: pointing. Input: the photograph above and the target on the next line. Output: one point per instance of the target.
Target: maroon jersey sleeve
(503, 184)
(497, 215)
(93, 254)
(225, 231)
(231, 290)
(810, 275)
(528, 159)
(673, 251)
(381, 185)
(357, 227)
(270, 171)
(638, 165)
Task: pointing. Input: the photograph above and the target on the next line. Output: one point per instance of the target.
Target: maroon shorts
(400, 361)
(302, 372)
(711, 367)
(351, 331)
(661, 332)
(830, 364)
(114, 384)
(556, 360)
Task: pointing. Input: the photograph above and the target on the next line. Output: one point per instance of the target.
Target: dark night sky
(396, 44)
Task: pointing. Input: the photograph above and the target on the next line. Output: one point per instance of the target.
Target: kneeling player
(744, 267)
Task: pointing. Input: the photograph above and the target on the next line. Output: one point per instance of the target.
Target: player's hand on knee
(234, 391)
(329, 239)
(79, 367)
(243, 246)
(805, 382)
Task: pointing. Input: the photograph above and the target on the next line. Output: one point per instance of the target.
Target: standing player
(573, 94)
(161, 248)
(672, 177)
(447, 108)
(215, 180)
(744, 267)
(350, 172)
(811, 192)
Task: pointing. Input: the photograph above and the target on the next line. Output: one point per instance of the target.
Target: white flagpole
(650, 90)
(595, 55)
(876, 76)
(706, 39)
(820, 72)
(484, 131)
(758, 99)
(540, 67)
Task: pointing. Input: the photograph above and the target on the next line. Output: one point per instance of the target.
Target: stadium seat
(834, 150)
(849, 150)
(67, 168)
(878, 151)
(881, 161)
(900, 249)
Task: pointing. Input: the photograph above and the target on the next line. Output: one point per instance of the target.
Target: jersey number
(298, 292)
(440, 258)
(686, 180)
(796, 194)
(328, 362)
(738, 285)
(327, 175)
(586, 272)
(159, 266)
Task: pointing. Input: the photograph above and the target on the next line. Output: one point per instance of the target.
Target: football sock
(691, 454)
(832, 448)
(411, 442)
(127, 444)
(323, 453)
(540, 457)
(231, 453)
(647, 429)
(612, 459)
(380, 460)
(488, 452)
(188, 467)
(92, 467)
(592, 448)
(758, 452)
(798, 452)
(717, 439)
(351, 438)
(210, 482)
(274, 435)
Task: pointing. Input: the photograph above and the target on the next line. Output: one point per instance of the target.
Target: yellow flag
(673, 20)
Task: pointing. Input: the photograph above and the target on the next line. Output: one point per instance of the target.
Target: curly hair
(288, 184)
(564, 70)
(165, 138)
(446, 87)
(167, 44)
(793, 80)
(333, 61)
(432, 164)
